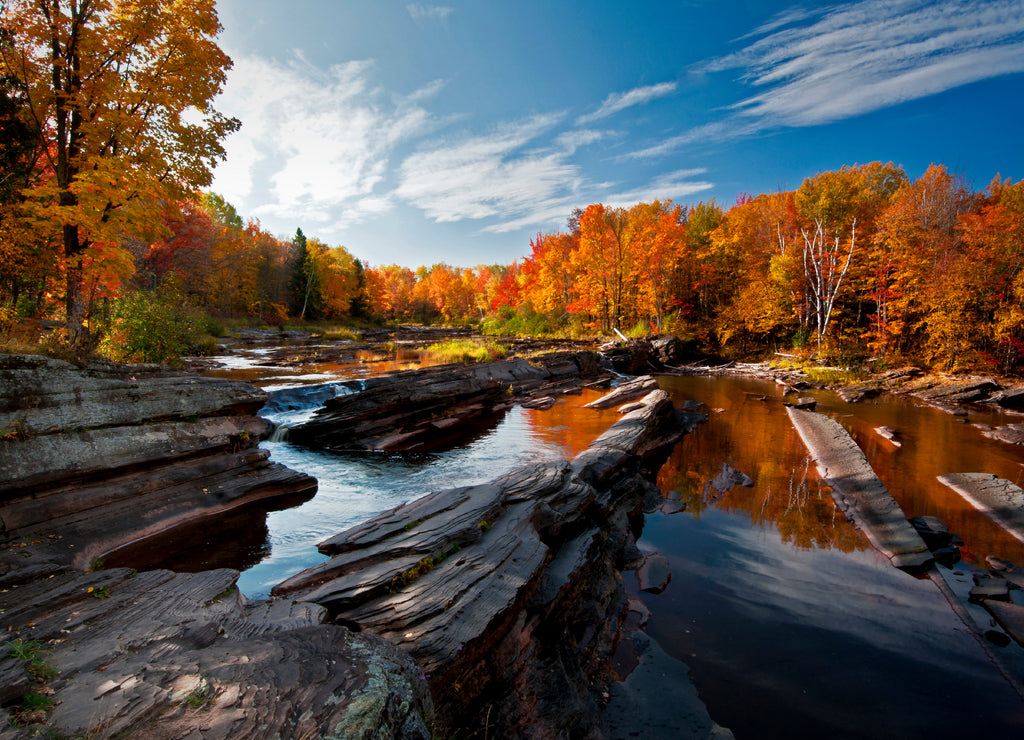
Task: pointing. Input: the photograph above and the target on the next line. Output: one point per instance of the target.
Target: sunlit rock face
(93, 457)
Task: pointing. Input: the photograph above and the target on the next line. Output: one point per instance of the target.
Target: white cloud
(320, 141)
(620, 101)
(484, 176)
(570, 141)
(421, 13)
(852, 59)
(675, 185)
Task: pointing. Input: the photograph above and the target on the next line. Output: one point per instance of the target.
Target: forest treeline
(107, 143)
(857, 262)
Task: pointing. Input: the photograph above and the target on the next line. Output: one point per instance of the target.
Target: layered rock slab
(97, 456)
(426, 409)
(165, 655)
(858, 492)
(998, 499)
(508, 593)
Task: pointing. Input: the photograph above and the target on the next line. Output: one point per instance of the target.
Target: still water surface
(791, 624)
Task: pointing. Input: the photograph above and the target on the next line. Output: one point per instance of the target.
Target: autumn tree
(918, 236)
(26, 256)
(118, 96)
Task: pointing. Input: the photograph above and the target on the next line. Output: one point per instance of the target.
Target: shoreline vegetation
(859, 267)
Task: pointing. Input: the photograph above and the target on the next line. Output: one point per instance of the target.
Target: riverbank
(110, 652)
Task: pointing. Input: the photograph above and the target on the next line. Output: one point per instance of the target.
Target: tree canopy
(117, 95)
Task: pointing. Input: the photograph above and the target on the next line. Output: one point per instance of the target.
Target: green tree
(305, 300)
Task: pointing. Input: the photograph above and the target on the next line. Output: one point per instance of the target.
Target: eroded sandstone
(509, 594)
(98, 456)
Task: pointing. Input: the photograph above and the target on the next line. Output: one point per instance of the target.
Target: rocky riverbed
(498, 608)
(515, 587)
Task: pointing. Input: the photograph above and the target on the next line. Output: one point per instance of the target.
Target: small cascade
(287, 407)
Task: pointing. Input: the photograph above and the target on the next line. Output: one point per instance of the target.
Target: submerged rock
(654, 574)
(658, 700)
(933, 531)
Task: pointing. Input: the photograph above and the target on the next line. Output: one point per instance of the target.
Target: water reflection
(748, 428)
(786, 642)
(792, 625)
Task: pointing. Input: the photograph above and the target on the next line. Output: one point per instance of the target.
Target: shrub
(158, 325)
(467, 350)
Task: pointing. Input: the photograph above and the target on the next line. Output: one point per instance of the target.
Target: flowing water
(791, 624)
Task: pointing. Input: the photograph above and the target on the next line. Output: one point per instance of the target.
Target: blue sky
(418, 133)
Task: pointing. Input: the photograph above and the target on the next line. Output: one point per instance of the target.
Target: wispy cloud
(316, 144)
(487, 175)
(421, 13)
(570, 141)
(847, 60)
(675, 185)
(620, 101)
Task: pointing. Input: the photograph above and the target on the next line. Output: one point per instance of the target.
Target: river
(792, 626)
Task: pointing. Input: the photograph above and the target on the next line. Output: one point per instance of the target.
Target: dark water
(793, 627)
(791, 624)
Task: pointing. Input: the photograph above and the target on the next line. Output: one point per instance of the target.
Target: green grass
(21, 649)
(834, 375)
(341, 333)
(201, 695)
(467, 350)
(34, 701)
(639, 330)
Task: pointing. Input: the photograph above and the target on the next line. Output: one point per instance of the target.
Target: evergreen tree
(360, 304)
(305, 299)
